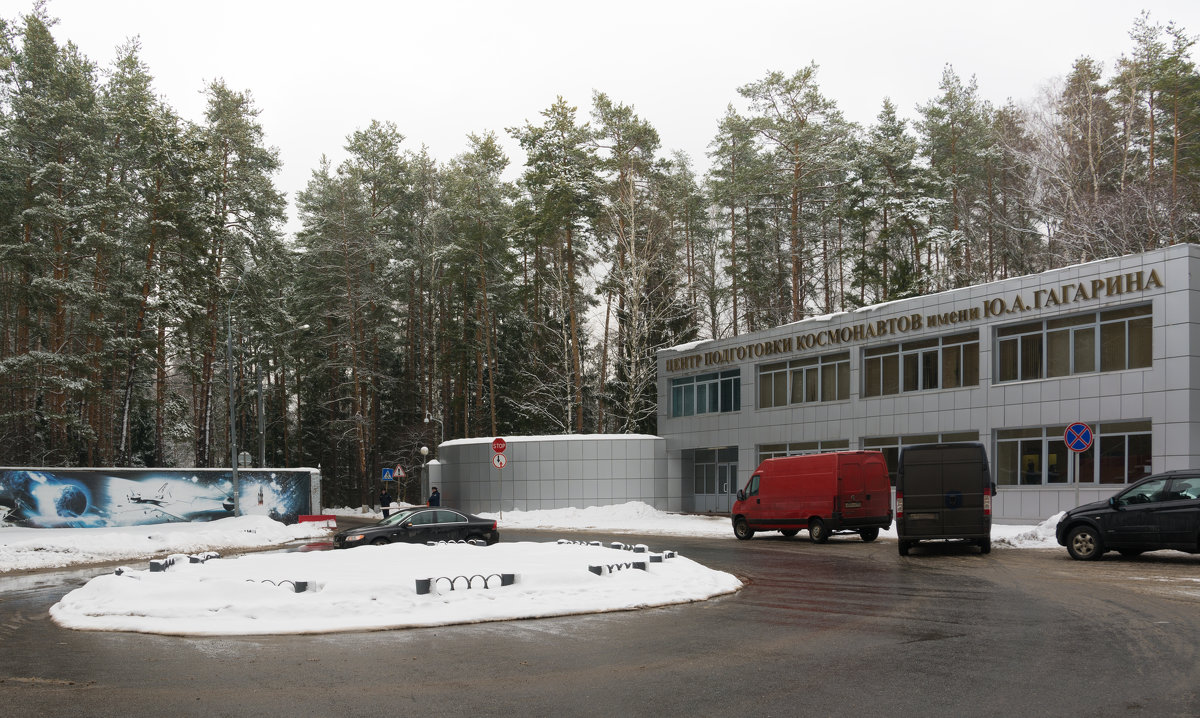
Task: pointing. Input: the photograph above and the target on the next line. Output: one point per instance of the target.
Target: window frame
(1120, 441)
(805, 378)
(1104, 340)
(721, 392)
(920, 365)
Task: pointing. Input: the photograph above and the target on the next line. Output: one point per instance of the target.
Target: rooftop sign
(1117, 284)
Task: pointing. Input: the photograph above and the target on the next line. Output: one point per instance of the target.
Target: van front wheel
(742, 530)
(869, 534)
(789, 532)
(817, 531)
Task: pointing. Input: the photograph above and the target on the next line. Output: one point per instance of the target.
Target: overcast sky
(441, 69)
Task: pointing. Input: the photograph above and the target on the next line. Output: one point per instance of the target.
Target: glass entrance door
(715, 479)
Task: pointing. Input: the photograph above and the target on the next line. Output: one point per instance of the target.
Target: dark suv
(1158, 512)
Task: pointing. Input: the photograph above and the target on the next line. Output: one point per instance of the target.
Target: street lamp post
(429, 417)
(424, 477)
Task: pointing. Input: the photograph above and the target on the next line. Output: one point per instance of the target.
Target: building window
(804, 381)
(773, 385)
(949, 362)
(772, 451)
(1036, 457)
(960, 361)
(1024, 458)
(1124, 450)
(1111, 340)
(890, 445)
(712, 393)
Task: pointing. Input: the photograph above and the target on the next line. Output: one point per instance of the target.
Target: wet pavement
(844, 628)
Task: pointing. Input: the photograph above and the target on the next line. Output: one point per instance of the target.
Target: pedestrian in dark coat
(435, 499)
(385, 503)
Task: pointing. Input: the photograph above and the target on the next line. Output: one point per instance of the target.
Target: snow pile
(347, 591)
(1040, 536)
(365, 512)
(25, 548)
(631, 517)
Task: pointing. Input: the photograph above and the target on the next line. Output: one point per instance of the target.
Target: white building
(1113, 343)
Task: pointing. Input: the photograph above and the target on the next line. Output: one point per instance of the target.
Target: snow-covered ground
(377, 587)
(26, 549)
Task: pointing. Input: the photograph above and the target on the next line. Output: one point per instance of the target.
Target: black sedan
(419, 525)
(1158, 512)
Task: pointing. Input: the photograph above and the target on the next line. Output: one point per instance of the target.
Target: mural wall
(77, 498)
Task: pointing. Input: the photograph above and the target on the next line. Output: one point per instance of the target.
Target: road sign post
(499, 460)
(1078, 438)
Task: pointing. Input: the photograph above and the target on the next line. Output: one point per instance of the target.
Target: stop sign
(499, 445)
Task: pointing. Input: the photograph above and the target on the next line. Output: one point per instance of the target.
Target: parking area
(845, 627)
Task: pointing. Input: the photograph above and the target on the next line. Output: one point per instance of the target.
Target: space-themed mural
(57, 498)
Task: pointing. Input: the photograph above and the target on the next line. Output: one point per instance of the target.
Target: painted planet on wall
(71, 501)
(66, 500)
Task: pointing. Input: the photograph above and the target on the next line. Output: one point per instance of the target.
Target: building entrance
(715, 479)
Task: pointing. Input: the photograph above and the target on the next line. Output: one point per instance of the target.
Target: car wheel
(1084, 544)
(817, 531)
(985, 546)
(904, 546)
(869, 534)
(1130, 552)
(742, 530)
(380, 542)
(789, 532)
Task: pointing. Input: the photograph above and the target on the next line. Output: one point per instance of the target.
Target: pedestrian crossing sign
(387, 475)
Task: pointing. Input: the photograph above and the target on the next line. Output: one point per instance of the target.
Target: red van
(824, 493)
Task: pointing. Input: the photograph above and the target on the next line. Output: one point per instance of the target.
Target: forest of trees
(143, 260)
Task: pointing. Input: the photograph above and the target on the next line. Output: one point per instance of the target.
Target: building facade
(1113, 343)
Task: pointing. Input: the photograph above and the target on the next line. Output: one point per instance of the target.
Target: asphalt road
(842, 629)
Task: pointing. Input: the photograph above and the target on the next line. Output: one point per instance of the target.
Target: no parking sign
(1078, 437)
